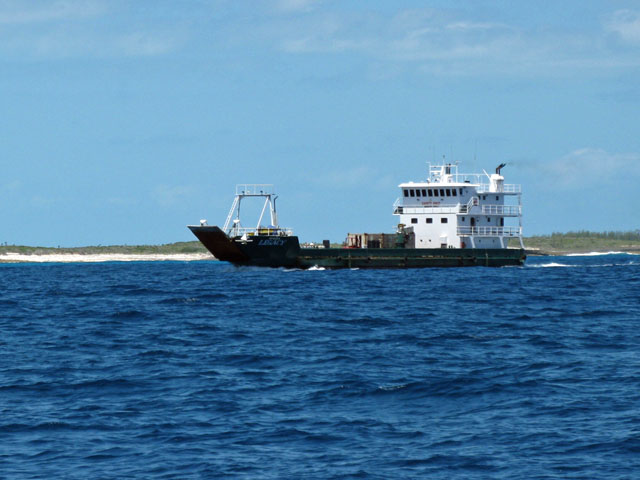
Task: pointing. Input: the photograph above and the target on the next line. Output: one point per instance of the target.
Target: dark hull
(409, 257)
(275, 251)
(257, 250)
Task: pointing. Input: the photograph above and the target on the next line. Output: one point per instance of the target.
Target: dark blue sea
(197, 370)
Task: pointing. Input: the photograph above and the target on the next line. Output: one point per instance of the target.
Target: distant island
(165, 249)
(583, 242)
(554, 244)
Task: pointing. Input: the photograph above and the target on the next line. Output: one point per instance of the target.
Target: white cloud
(60, 43)
(24, 12)
(41, 202)
(296, 5)
(448, 42)
(73, 28)
(171, 195)
(586, 167)
(11, 186)
(626, 24)
(145, 44)
(122, 201)
(350, 178)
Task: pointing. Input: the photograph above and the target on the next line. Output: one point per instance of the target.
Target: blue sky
(123, 121)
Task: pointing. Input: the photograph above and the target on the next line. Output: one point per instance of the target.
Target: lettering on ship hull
(272, 242)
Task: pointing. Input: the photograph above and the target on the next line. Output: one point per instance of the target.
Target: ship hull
(409, 257)
(256, 250)
(277, 251)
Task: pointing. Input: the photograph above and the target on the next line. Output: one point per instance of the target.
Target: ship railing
(435, 172)
(251, 231)
(506, 188)
(505, 210)
(473, 201)
(421, 209)
(254, 189)
(490, 231)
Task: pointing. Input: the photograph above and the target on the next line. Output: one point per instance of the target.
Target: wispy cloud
(11, 186)
(23, 12)
(145, 44)
(122, 201)
(625, 24)
(357, 176)
(586, 167)
(42, 202)
(73, 28)
(444, 41)
(171, 195)
(76, 42)
(297, 5)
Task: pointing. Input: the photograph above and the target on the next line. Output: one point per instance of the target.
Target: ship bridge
(454, 210)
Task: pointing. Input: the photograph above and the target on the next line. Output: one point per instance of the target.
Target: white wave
(389, 388)
(597, 265)
(552, 264)
(101, 257)
(316, 268)
(598, 254)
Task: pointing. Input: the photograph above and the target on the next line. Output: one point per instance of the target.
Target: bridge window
(424, 192)
(442, 192)
(430, 192)
(412, 192)
(406, 192)
(460, 191)
(429, 220)
(454, 192)
(444, 220)
(414, 220)
(448, 192)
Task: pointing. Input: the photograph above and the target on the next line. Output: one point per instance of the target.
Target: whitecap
(316, 268)
(598, 254)
(552, 264)
(388, 388)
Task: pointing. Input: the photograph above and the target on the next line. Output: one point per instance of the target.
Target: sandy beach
(10, 257)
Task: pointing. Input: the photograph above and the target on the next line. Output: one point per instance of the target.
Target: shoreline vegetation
(554, 244)
(583, 242)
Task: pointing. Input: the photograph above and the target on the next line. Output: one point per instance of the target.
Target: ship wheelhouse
(452, 210)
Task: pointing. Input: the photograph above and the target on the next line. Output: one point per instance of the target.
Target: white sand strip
(598, 254)
(103, 257)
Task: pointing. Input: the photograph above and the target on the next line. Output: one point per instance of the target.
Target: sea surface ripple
(192, 370)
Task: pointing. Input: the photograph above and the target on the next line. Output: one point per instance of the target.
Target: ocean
(193, 370)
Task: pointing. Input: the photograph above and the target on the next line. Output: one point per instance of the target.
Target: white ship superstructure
(452, 210)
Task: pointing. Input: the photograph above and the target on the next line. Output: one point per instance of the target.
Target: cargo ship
(449, 220)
